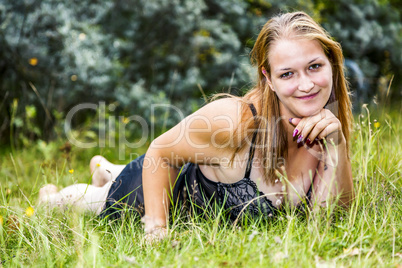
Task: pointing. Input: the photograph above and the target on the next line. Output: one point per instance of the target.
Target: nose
(305, 83)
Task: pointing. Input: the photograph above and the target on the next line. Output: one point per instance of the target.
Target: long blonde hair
(271, 143)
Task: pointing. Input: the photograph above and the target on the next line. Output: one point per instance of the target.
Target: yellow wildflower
(71, 171)
(1, 221)
(33, 61)
(125, 120)
(73, 78)
(376, 124)
(30, 211)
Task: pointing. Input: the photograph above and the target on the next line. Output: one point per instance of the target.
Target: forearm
(336, 175)
(158, 178)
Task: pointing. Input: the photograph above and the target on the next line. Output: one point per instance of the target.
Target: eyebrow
(313, 60)
(287, 69)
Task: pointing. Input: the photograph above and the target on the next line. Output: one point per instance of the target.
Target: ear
(265, 73)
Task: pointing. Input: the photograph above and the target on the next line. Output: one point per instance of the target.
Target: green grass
(368, 235)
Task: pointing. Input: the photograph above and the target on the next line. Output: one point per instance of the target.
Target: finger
(319, 128)
(326, 132)
(315, 125)
(314, 130)
(332, 133)
(310, 126)
(299, 128)
(306, 124)
(330, 119)
(294, 121)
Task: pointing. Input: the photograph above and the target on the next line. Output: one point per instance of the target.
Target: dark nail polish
(290, 120)
(308, 141)
(295, 133)
(299, 139)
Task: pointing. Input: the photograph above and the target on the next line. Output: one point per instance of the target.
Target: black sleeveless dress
(242, 197)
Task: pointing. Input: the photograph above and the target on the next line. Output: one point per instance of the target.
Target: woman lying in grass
(285, 142)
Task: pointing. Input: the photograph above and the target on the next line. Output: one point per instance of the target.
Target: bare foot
(46, 191)
(103, 171)
(95, 162)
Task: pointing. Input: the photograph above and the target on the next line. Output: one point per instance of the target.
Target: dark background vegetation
(56, 54)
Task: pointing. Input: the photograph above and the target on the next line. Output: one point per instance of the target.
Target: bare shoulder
(208, 131)
(225, 106)
(224, 118)
(231, 110)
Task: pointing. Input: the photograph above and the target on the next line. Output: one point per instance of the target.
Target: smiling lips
(308, 97)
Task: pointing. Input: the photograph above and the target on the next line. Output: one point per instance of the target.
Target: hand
(324, 125)
(155, 235)
(155, 230)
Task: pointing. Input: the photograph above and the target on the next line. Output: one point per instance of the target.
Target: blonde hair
(271, 143)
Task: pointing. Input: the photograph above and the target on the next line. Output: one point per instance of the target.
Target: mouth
(308, 97)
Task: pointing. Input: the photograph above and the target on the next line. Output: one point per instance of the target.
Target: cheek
(324, 80)
(285, 88)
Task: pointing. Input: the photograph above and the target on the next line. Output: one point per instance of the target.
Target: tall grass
(368, 235)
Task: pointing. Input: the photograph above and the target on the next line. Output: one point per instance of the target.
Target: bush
(133, 54)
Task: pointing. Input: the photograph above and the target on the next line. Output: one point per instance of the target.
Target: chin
(310, 112)
(314, 108)
(302, 110)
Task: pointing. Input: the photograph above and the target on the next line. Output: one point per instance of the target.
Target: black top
(237, 198)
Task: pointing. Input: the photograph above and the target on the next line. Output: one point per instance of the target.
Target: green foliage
(55, 55)
(370, 32)
(368, 235)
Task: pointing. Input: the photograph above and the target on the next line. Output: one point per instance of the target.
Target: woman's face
(301, 76)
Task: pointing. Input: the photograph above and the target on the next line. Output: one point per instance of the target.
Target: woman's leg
(83, 196)
(103, 171)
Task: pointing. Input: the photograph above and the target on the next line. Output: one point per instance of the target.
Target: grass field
(368, 235)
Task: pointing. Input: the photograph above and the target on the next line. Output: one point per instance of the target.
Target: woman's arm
(334, 174)
(195, 139)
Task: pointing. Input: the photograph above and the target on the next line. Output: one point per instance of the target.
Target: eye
(286, 75)
(314, 66)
